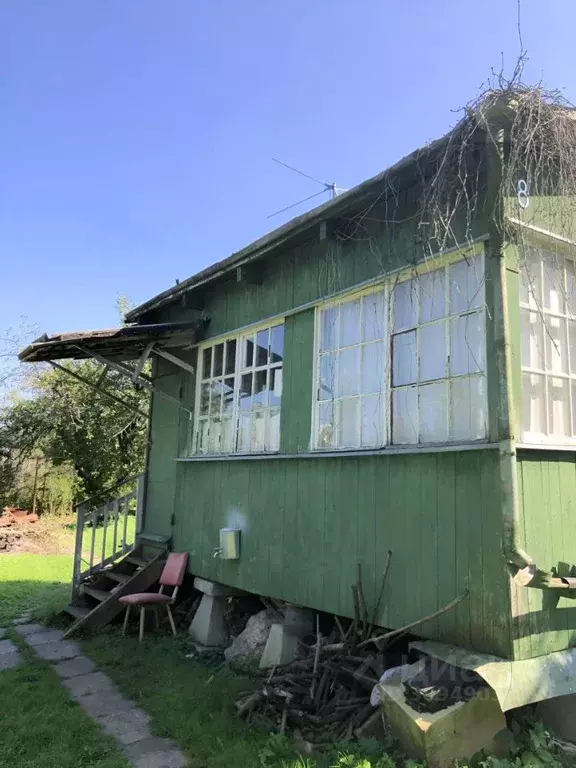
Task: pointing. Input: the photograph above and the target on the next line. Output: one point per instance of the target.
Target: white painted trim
(540, 231)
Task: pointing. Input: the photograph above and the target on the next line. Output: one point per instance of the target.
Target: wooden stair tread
(109, 604)
(136, 561)
(98, 594)
(77, 611)
(121, 578)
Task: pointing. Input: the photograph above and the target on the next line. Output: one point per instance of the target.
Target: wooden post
(80, 519)
(35, 491)
(139, 503)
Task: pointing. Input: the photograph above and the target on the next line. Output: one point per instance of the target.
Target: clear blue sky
(136, 135)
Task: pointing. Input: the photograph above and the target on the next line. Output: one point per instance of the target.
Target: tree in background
(71, 425)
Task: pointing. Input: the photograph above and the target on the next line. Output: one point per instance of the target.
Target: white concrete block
(208, 626)
(281, 647)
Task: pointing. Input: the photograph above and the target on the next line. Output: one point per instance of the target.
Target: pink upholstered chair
(172, 576)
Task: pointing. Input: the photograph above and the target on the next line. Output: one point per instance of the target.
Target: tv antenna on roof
(332, 189)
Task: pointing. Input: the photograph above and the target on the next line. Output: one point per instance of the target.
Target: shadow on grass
(43, 599)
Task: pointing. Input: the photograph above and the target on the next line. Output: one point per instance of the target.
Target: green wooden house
(389, 371)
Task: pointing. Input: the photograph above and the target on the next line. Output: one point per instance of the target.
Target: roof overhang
(345, 204)
(126, 343)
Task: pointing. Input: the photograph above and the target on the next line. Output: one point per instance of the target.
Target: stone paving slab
(81, 665)
(98, 696)
(93, 682)
(9, 660)
(155, 753)
(126, 727)
(99, 704)
(29, 629)
(7, 646)
(58, 651)
(39, 638)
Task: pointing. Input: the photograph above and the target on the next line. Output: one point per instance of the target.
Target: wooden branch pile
(329, 687)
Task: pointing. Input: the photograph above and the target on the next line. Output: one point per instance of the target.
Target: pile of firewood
(329, 686)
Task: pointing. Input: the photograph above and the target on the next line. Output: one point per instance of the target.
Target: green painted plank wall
(541, 622)
(307, 522)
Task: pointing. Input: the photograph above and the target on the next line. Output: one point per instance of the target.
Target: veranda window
(404, 364)
(239, 393)
(548, 343)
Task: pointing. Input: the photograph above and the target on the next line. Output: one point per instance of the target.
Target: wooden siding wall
(307, 522)
(542, 622)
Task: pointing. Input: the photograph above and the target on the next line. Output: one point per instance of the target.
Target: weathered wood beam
(175, 360)
(100, 391)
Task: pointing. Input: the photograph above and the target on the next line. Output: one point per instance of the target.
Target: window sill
(343, 454)
(567, 447)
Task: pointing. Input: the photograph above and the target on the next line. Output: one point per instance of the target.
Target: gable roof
(338, 205)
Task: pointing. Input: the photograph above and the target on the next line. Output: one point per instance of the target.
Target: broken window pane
(326, 426)
(405, 305)
(433, 405)
(433, 358)
(249, 352)
(404, 358)
(405, 416)
(432, 296)
(275, 386)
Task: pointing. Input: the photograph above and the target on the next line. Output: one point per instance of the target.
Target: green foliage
(72, 426)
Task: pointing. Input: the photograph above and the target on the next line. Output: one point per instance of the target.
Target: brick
(81, 665)
(58, 651)
(6, 646)
(99, 704)
(39, 638)
(94, 682)
(126, 727)
(9, 660)
(29, 629)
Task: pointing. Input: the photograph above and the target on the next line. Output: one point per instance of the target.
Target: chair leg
(157, 617)
(126, 617)
(171, 620)
(142, 620)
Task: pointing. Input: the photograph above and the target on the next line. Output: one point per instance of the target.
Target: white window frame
(547, 438)
(240, 337)
(387, 283)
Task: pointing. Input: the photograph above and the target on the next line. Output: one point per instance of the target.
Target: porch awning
(126, 343)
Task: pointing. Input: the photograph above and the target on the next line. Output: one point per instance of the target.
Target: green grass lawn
(37, 582)
(43, 728)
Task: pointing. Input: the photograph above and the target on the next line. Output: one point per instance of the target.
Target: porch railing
(107, 533)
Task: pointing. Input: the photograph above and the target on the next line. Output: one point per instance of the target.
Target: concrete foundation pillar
(281, 647)
(208, 626)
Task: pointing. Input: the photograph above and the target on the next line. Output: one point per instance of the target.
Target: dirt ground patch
(47, 536)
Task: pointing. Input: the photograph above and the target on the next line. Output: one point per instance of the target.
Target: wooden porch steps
(97, 602)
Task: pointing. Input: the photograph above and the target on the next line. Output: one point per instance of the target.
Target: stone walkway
(97, 695)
